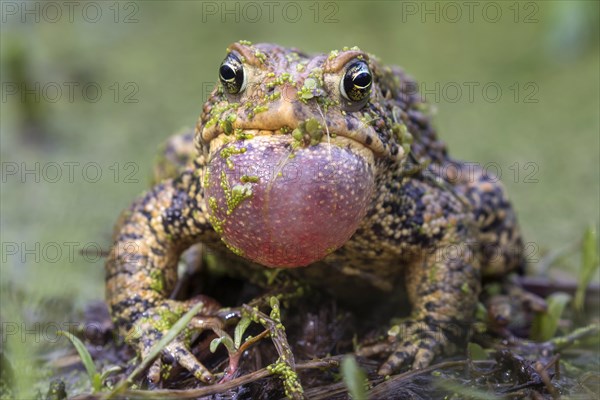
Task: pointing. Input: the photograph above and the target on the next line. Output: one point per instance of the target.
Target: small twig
(327, 391)
(291, 384)
(562, 342)
(249, 342)
(541, 370)
(277, 334)
(555, 362)
(553, 345)
(543, 287)
(217, 388)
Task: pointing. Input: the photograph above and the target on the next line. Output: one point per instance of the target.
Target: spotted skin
(439, 223)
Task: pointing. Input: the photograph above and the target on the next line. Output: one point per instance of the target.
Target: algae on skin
(234, 196)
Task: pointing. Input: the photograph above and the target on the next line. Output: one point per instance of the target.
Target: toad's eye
(231, 74)
(356, 84)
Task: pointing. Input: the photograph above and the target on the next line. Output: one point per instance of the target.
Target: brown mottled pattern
(441, 228)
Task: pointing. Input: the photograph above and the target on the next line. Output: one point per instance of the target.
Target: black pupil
(357, 81)
(227, 72)
(362, 80)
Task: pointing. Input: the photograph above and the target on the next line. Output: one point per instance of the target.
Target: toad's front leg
(141, 270)
(443, 287)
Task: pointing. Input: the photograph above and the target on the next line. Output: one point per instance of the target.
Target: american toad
(328, 161)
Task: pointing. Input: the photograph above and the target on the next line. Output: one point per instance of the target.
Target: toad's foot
(156, 322)
(413, 343)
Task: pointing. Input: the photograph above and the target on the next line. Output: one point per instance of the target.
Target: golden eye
(231, 74)
(356, 84)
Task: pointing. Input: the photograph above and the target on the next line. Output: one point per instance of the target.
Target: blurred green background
(533, 113)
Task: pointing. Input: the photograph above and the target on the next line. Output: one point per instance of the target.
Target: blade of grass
(86, 359)
(589, 264)
(545, 324)
(476, 352)
(109, 371)
(239, 331)
(226, 341)
(354, 378)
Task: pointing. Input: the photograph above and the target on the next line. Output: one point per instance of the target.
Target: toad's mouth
(350, 127)
(282, 204)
